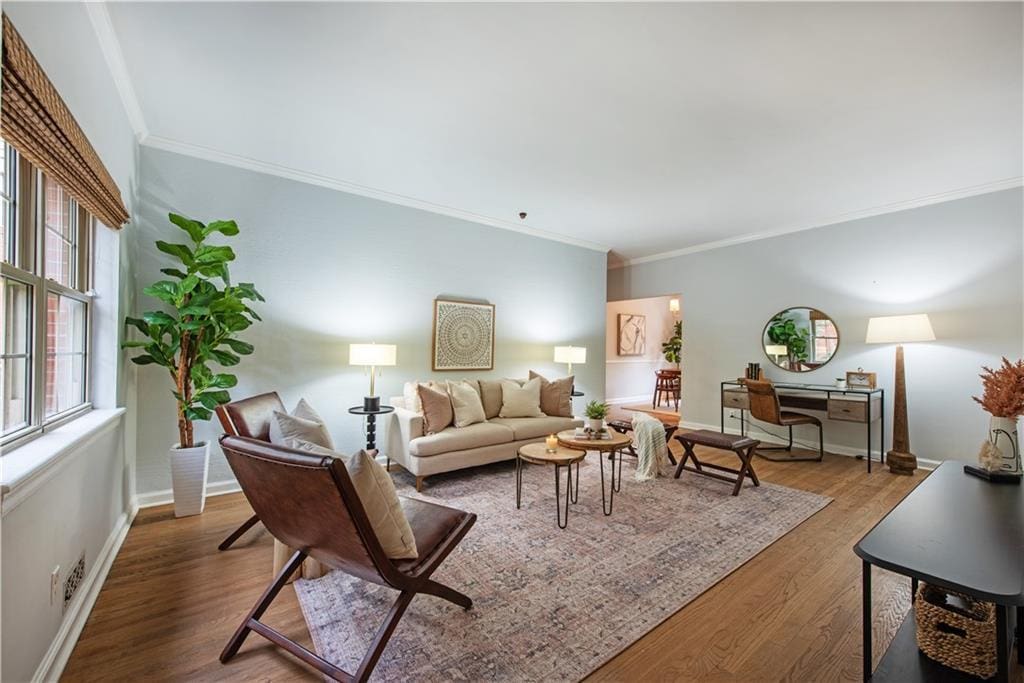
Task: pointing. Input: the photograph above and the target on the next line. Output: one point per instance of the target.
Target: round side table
(538, 454)
(613, 446)
(371, 423)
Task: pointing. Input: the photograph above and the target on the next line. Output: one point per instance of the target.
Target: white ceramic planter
(189, 467)
(595, 424)
(1002, 433)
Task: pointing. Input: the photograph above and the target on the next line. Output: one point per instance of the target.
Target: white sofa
(456, 448)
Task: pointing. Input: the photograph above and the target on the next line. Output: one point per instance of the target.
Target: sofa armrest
(403, 427)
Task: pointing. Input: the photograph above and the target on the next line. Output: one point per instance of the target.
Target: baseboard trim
(836, 449)
(215, 488)
(57, 655)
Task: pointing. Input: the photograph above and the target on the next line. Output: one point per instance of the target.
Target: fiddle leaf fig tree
(198, 325)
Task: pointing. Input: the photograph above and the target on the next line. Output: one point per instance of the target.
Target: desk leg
(866, 614)
(1020, 635)
(1002, 653)
(881, 439)
(869, 433)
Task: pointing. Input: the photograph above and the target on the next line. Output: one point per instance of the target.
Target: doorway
(636, 355)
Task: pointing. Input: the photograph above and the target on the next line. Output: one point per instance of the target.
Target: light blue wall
(958, 261)
(338, 268)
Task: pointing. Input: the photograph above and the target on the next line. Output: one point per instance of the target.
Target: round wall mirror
(800, 339)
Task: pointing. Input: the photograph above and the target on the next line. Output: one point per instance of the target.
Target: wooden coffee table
(538, 454)
(613, 447)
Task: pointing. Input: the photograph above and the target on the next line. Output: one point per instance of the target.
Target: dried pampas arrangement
(1003, 390)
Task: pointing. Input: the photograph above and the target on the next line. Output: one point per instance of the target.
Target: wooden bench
(742, 446)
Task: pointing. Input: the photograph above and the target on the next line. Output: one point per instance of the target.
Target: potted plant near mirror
(1003, 399)
(784, 331)
(197, 327)
(673, 348)
(596, 412)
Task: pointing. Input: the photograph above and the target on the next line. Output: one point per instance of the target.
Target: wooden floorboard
(172, 600)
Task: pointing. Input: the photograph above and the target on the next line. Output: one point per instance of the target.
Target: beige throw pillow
(555, 395)
(411, 395)
(377, 493)
(304, 424)
(437, 409)
(520, 401)
(466, 403)
(490, 396)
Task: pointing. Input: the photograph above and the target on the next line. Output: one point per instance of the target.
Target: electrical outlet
(55, 585)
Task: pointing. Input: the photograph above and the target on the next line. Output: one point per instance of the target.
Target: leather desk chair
(764, 406)
(309, 503)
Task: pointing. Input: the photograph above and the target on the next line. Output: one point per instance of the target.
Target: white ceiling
(640, 128)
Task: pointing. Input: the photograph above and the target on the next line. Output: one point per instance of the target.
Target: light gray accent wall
(960, 262)
(81, 508)
(337, 268)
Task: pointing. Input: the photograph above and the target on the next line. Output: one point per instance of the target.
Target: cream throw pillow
(377, 493)
(304, 424)
(466, 403)
(520, 401)
(437, 408)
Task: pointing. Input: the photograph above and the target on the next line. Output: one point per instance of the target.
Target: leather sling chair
(308, 502)
(248, 417)
(764, 406)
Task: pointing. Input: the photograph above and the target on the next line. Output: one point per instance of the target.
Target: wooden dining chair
(667, 383)
(764, 406)
(249, 417)
(308, 502)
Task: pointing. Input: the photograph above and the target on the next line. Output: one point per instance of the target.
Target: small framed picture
(858, 379)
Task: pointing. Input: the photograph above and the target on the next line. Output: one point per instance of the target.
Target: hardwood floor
(172, 600)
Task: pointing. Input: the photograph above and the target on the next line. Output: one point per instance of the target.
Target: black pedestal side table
(371, 422)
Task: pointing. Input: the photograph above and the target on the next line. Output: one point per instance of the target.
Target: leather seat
(431, 524)
(788, 417)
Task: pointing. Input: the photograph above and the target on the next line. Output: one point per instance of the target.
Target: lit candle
(552, 443)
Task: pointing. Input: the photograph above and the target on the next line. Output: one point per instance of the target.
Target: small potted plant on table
(596, 412)
(197, 326)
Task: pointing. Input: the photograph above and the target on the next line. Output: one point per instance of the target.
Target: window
(44, 277)
(826, 339)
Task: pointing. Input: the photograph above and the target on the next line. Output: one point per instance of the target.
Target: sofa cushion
(438, 413)
(520, 401)
(466, 403)
(490, 394)
(535, 427)
(555, 395)
(461, 439)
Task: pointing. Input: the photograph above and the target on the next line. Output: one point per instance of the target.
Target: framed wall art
(632, 334)
(463, 335)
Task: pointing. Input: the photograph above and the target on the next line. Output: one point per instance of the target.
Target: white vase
(1002, 433)
(595, 424)
(189, 468)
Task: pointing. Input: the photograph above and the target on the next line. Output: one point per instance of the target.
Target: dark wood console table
(959, 533)
(864, 406)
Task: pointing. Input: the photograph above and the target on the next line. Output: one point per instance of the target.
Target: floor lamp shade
(899, 330)
(373, 356)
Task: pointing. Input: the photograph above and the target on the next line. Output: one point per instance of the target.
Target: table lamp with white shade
(776, 350)
(373, 356)
(899, 330)
(570, 355)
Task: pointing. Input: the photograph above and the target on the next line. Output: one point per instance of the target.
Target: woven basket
(956, 630)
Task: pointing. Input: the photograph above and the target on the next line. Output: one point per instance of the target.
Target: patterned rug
(551, 604)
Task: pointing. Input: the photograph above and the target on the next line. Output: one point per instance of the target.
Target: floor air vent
(74, 580)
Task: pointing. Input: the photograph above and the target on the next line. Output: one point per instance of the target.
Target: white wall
(87, 501)
(958, 261)
(337, 268)
(629, 378)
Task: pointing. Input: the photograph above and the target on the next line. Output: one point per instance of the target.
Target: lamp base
(901, 463)
(371, 403)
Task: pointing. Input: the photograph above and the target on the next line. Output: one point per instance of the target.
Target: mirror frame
(764, 331)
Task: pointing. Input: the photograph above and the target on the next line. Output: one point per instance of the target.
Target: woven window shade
(36, 122)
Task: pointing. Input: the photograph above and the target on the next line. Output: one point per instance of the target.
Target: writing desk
(960, 533)
(864, 406)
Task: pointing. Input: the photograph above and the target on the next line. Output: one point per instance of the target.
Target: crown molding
(950, 195)
(103, 27)
(247, 163)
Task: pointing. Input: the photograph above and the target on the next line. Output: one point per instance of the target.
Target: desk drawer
(735, 398)
(852, 410)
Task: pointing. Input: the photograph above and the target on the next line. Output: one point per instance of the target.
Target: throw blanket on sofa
(651, 449)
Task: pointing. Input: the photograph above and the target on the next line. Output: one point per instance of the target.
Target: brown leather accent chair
(308, 502)
(249, 417)
(764, 406)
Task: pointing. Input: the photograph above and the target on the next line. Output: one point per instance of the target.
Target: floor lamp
(570, 355)
(899, 330)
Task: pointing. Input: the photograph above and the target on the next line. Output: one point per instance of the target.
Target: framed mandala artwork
(463, 335)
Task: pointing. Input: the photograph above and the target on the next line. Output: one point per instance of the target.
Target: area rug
(553, 604)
